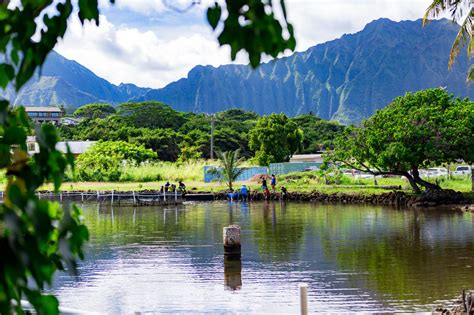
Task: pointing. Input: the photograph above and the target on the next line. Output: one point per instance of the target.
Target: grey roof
(42, 109)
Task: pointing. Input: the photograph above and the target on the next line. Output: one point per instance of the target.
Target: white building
(76, 147)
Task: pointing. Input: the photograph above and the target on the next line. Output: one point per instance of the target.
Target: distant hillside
(346, 79)
(66, 82)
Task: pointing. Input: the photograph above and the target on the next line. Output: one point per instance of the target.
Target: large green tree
(418, 130)
(36, 236)
(275, 138)
(94, 111)
(319, 134)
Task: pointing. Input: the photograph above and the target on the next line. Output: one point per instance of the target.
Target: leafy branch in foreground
(462, 12)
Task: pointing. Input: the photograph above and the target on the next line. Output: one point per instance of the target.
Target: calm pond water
(354, 258)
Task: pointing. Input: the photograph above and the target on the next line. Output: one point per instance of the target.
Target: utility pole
(212, 136)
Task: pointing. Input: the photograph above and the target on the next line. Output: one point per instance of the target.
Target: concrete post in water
(97, 195)
(82, 197)
(303, 287)
(61, 195)
(175, 196)
(112, 199)
(232, 240)
(134, 201)
(164, 195)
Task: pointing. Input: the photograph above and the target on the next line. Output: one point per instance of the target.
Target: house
(44, 114)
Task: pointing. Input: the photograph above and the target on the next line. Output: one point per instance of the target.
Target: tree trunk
(412, 182)
(420, 181)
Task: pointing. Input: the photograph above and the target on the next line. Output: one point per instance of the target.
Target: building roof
(77, 147)
(318, 158)
(42, 109)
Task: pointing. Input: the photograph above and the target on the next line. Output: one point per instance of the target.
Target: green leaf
(89, 10)
(7, 73)
(214, 15)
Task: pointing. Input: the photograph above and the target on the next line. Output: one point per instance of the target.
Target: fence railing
(114, 197)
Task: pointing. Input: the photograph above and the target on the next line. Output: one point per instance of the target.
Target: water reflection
(355, 258)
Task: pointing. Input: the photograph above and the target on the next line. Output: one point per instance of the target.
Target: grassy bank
(153, 176)
(291, 182)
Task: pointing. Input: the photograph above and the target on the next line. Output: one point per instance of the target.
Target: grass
(153, 176)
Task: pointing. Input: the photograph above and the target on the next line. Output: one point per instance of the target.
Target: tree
(37, 237)
(462, 11)
(274, 139)
(230, 162)
(417, 130)
(318, 133)
(94, 111)
(104, 160)
(150, 114)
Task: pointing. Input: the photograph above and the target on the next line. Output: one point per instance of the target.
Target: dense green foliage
(183, 137)
(418, 130)
(318, 134)
(94, 111)
(105, 160)
(275, 138)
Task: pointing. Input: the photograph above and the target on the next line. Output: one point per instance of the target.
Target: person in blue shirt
(230, 194)
(244, 192)
(236, 195)
(273, 182)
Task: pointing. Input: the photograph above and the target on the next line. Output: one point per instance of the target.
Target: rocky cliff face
(346, 79)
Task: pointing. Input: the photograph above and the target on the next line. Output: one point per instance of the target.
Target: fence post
(175, 196)
(303, 298)
(164, 195)
(112, 199)
(82, 197)
(98, 196)
(61, 195)
(133, 192)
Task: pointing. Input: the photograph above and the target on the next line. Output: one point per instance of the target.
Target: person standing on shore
(273, 182)
(264, 184)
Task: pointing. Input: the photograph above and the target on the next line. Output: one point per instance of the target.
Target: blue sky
(146, 43)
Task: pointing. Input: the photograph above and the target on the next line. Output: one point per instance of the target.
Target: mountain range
(346, 79)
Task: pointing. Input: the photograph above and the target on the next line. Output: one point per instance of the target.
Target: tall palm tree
(230, 162)
(462, 12)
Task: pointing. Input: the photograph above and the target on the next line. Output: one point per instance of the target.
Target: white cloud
(125, 54)
(150, 45)
(317, 21)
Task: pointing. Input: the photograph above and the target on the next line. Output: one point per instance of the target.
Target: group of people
(244, 192)
(172, 187)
